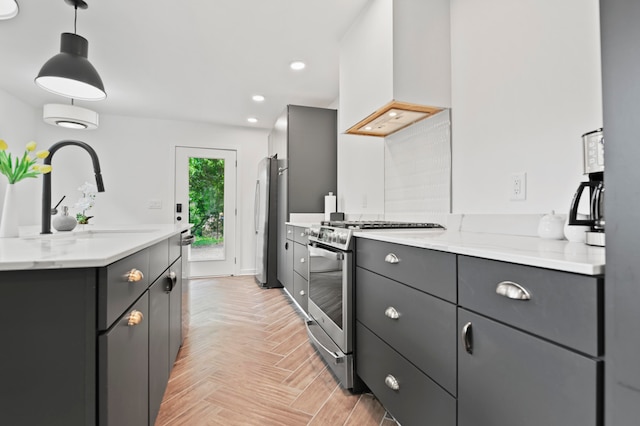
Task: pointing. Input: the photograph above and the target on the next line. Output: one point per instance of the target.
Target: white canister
(329, 205)
(551, 227)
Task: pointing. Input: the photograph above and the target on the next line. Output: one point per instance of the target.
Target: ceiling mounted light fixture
(297, 65)
(69, 73)
(8, 9)
(70, 116)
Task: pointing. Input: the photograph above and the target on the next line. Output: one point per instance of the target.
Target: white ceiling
(197, 60)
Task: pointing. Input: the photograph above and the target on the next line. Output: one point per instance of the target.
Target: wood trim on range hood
(391, 118)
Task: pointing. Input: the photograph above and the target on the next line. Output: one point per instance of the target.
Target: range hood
(391, 118)
(395, 66)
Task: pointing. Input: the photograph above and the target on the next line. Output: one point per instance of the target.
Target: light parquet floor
(247, 361)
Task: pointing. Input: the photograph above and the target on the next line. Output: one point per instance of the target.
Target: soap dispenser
(64, 222)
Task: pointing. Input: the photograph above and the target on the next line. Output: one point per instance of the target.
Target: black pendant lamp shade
(70, 74)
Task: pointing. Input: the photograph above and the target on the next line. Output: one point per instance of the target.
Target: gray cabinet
(123, 366)
(305, 142)
(300, 267)
(85, 345)
(621, 106)
(165, 333)
(285, 256)
(513, 378)
(447, 339)
(529, 350)
(405, 335)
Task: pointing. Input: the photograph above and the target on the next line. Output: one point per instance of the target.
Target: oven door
(330, 293)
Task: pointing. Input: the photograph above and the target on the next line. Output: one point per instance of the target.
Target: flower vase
(10, 214)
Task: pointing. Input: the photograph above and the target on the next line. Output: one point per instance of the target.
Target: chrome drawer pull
(391, 258)
(302, 260)
(392, 382)
(512, 291)
(467, 337)
(302, 293)
(392, 313)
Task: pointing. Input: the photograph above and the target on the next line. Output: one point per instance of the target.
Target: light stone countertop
(560, 255)
(85, 246)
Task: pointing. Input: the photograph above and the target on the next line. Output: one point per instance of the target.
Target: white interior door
(205, 196)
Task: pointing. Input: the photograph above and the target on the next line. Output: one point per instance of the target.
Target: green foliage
(206, 196)
(206, 241)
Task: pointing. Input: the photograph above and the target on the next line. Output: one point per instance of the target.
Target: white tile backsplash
(418, 171)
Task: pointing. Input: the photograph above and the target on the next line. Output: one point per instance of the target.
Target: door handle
(467, 337)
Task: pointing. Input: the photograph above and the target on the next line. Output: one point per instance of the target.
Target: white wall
(17, 128)
(137, 160)
(525, 86)
(137, 157)
(417, 171)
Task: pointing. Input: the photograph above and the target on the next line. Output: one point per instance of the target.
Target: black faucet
(46, 179)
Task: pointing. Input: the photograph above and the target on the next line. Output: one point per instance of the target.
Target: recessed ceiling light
(252, 120)
(368, 128)
(297, 65)
(258, 98)
(393, 114)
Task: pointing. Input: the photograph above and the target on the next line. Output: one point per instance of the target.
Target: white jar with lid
(551, 226)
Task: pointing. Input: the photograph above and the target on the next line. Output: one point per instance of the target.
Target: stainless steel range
(331, 289)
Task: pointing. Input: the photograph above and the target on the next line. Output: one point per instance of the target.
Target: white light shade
(70, 116)
(8, 9)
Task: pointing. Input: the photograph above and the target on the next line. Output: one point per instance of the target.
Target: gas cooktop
(379, 224)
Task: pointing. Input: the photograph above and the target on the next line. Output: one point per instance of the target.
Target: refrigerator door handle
(256, 207)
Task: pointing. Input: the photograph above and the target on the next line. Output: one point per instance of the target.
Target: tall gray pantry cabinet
(305, 142)
(621, 105)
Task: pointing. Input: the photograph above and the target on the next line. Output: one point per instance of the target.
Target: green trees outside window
(206, 200)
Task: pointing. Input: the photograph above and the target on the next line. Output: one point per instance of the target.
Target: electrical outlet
(518, 186)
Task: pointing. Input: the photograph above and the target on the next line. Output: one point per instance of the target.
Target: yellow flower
(3, 145)
(35, 167)
(42, 154)
(44, 169)
(31, 146)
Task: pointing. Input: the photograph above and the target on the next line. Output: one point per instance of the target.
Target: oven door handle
(337, 358)
(320, 252)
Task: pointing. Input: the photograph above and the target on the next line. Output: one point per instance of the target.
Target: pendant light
(69, 73)
(70, 116)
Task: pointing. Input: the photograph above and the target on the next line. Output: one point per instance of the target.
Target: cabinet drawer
(427, 270)
(175, 248)
(563, 307)
(123, 376)
(290, 232)
(418, 400)
(513, 378)
(301, 235)
(300, 290)
(118, 288)
(424, 331)
(158, 259)
(300, 260)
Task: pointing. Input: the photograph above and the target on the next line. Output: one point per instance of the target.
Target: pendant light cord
(75, 20)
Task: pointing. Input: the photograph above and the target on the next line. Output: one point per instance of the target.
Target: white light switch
(154, 204)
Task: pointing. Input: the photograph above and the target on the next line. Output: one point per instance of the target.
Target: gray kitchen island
(91, 324)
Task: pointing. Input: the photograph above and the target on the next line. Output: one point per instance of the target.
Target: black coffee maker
(593, 149)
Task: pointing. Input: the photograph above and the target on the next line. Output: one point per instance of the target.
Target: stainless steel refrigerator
(266, 225)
